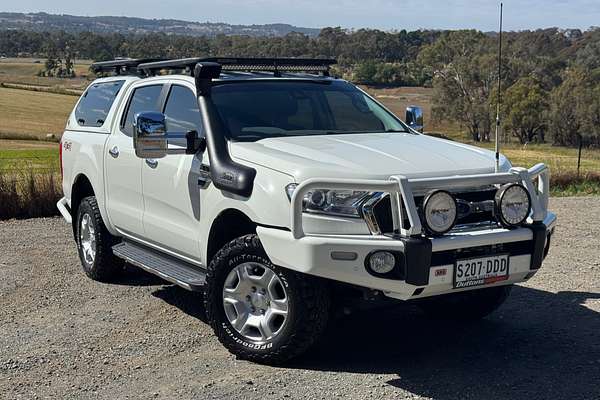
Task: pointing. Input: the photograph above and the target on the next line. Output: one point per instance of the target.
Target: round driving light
(439, 212)
(382, 262)
(513, 204)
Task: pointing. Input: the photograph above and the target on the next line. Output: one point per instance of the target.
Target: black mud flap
(417, 256)
(539, 243)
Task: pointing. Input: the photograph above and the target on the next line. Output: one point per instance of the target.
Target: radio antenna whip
(499, 94)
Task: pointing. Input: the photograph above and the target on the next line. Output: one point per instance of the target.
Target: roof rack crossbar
(151, 68)
(275, 65)
(122, 65)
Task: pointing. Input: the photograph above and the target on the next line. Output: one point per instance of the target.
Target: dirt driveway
(64, 336)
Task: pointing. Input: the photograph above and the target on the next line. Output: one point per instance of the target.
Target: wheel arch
(83, 187)
(230, 224)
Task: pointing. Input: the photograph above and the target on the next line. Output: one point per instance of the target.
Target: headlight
(439, 212)
(512, 204)
(343, 203)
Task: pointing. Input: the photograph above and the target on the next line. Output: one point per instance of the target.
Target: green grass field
(19, 156)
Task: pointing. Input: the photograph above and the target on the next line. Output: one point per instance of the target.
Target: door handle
(114, 151)
(152, 163)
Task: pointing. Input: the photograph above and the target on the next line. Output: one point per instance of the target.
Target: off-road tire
(466, 306)
(105, 266)
(308, 302)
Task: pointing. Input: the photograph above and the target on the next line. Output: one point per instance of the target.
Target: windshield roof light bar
(275, 65)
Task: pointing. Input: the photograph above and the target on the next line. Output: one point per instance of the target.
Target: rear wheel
(466, 306)
(94, 242)
(259, 311)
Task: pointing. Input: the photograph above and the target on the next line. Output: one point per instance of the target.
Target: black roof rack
(122, 65)
(275, 65)
(152, 67)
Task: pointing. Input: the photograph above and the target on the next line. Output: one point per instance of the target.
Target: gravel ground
(65, 336)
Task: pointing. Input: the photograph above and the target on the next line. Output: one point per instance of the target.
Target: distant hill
(41, 22)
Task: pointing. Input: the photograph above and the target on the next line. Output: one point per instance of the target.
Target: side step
(169, 268)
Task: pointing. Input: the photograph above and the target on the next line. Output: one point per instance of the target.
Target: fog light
(382, 262)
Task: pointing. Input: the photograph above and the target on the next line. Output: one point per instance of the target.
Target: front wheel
(466, 306)
(259, 311)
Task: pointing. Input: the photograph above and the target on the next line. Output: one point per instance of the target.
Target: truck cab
(272, 187)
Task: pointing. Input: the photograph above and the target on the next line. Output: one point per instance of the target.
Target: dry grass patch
(28, 195)
(25, 70)
(558, 159)
(570, 184)
(34, 113)
(29, 179)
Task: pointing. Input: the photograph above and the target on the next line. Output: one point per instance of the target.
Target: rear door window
(96, 102)
(145, 98)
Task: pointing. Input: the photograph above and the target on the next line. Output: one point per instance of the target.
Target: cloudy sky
(384, 14)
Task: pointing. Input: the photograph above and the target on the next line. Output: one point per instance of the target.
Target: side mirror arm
(195, 144)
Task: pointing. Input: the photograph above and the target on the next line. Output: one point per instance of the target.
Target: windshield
(263, 109)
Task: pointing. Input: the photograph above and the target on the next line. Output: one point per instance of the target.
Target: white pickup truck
(275, 188)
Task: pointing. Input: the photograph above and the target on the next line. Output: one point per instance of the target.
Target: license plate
(480, 271)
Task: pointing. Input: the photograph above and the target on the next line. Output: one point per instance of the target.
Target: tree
(564, 122)
(524, 110)
(589, 55)
(52, 63)
(464, 75)
(588, 111)
(365, 72)
(69, 71)
(575, 108)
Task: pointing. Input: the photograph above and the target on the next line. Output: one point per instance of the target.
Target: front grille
(478, 204)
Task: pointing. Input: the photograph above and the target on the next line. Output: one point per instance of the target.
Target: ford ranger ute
(273, 187)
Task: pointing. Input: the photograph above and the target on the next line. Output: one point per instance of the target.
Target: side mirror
(150, 135)
(414, 118)
(151, 140)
